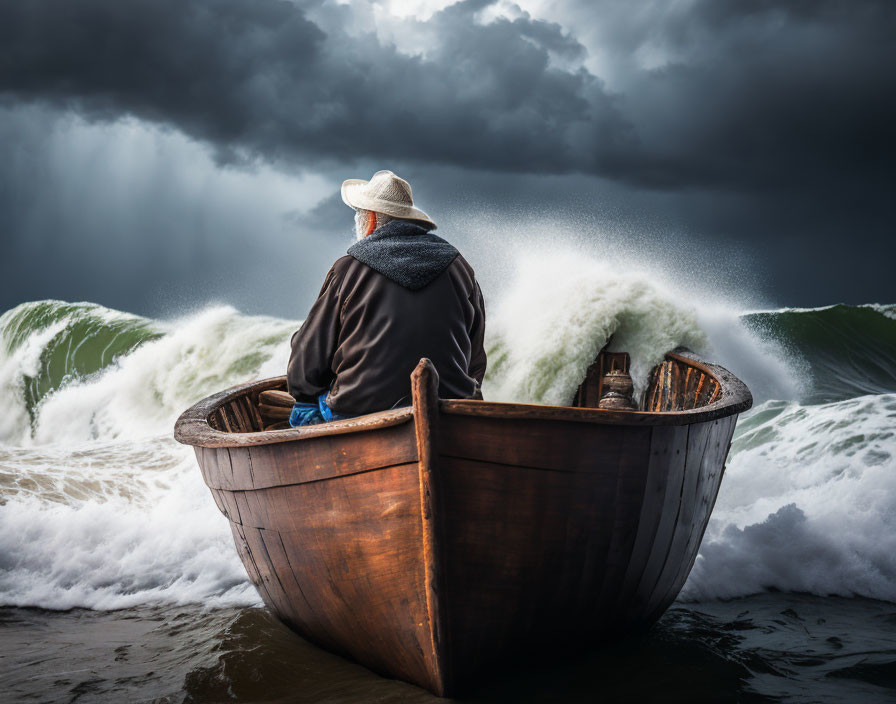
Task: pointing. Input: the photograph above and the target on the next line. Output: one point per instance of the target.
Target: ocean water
(119, 580)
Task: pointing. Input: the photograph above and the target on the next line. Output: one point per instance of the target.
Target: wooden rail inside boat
(683, 389)
(432, 541)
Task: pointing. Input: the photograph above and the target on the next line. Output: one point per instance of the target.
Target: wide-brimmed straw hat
(384, 193)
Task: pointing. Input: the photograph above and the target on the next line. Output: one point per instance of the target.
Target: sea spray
(560, 312)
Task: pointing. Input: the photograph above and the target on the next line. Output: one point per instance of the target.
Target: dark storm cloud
(755, 95)
(141, 219)
(767, 126)
(260, 77)
(767, 92)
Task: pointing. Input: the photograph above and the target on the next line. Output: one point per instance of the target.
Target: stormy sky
(160, 154)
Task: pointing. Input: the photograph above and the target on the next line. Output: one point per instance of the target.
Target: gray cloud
(142, 219)
(754, 96)
(760, 126)
(262, 79)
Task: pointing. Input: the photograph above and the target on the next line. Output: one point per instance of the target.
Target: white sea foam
(887, 310)
(561, 309)
(808, 503)
(104, 535)
(14, 366)
(101, 509)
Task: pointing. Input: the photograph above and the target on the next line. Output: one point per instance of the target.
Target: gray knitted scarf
(406, 253)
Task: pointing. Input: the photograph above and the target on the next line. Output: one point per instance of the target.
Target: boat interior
(679, 383)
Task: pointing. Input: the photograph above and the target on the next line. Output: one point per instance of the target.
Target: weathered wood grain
(665, 468)
(432, 551)
(424, 387)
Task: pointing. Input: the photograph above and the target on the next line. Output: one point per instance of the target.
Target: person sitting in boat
(400, 294)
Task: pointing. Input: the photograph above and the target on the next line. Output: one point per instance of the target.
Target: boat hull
(333, 546)
(450, 539)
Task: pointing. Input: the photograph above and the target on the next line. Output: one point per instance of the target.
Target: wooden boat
(431, 542)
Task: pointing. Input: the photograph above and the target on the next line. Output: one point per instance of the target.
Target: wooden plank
(242, 474)
(270, 508)
(596, 416)
(273, 414)
(354, 545)
(316, 626)
(425, 395)
(664, 470)
(251, 407)
(276, 397)
(654, 388)
(628, 508)
(510, 529)
(216, 470)
(242, 546)
(269, 574)
(298, 602)
(223, 420)
(669, 386)
(599, 521)
(555, 445)
(238, 409)
(230, 420)
(711, 469)
(527, 552)
(312, 460)
(659, 548)
(698, 437)
(229, 501)
(242, 504)
(257, 515)
(689, 387)
(225, 469)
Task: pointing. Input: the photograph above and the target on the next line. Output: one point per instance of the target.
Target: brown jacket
(372, 322)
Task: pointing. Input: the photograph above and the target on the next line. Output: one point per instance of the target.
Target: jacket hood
(405, 253)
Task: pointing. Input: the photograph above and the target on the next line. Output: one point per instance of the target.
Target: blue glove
(305, 414)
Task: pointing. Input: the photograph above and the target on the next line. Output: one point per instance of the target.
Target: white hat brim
(353, 196)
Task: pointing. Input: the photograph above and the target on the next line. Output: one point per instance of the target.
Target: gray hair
(360, 213)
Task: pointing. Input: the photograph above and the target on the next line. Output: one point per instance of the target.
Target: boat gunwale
(193, 428)
(734, 398)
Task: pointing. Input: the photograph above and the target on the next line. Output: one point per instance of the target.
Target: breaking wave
(100, 508)
(81, 372)
(542, 337)
(849, 350)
